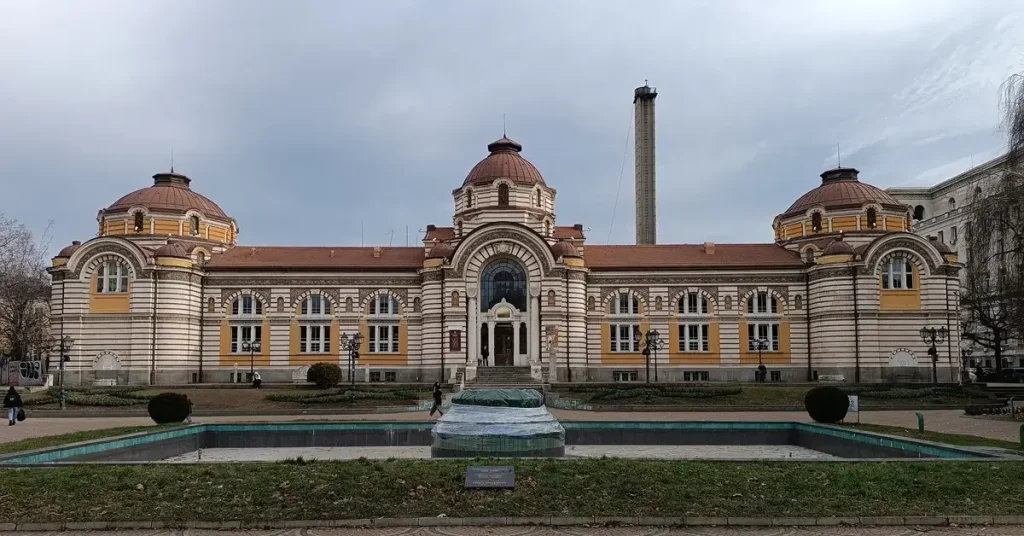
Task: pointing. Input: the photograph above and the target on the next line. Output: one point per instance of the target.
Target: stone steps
(504, 377)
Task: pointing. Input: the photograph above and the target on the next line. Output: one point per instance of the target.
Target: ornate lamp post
(251, 347)
(933, 337)
(652, 342)
(966, 349)
(351, 344)
(64, 346)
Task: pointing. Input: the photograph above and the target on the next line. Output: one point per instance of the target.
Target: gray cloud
(304, 119)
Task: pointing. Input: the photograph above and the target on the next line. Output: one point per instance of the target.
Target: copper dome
(504, 162)
(70, 250)
(564, 249)
(840, 188)
(170, 193)
(172, 249)
(441, 250)
(838, 247)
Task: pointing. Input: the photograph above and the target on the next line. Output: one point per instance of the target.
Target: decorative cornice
(695, 281)
(335, 282)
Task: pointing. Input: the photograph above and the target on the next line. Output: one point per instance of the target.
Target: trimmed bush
(324, 375)
(167, 408)
(827, 404)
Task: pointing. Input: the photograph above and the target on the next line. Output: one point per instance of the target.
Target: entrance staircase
(504, 377)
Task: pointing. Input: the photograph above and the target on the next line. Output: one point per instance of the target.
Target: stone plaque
(491, 477)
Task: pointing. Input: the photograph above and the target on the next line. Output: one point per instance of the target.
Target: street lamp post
(65, 344)
(762, 345)
(252, 347)
(652, 342)
(933, 337)
(351, 344)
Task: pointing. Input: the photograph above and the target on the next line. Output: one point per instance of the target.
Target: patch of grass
(341, 396)
(938, 437)
(75, 437)
(411, 488)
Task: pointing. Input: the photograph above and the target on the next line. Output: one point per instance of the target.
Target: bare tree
(993, 293)
(24, 292)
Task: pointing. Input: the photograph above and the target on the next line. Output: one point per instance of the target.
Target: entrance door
(503, 347)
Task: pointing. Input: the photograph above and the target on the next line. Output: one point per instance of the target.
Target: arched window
(247, 304)
(348, 305)
(763, 329)
(416, 305)
(455, 298)
(798, 302)
(591, 304)
(280, 305)
(624, 333)
(469, 198)
(112, 277)
(140, 222)
(200, 258)
(897, 274)
(728, 303)
(210, 306)
(315, 305)
(808, 255)
(872, 218)
(919, 212)
(384, 304)
(694, 303)
(503, 279)
(502, 195)
(657, 303)
(538, 198)
(816, 222)
(952, 203)
(551, 298)
(193, 226)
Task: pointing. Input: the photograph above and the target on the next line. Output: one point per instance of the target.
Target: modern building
(943, 212)
(165, 294)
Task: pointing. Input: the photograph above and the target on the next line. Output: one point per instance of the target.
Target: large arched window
(139, 222)
(872, 218)
(816, 222)
(503, 279)
(193, 225)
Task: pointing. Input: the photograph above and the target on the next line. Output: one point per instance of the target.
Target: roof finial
(503, 135)
(839, 157)
(172, 159)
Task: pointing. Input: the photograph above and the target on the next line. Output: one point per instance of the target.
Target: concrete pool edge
(544, 521)
(61, 455)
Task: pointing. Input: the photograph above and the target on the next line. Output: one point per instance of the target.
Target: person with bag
(12, 403)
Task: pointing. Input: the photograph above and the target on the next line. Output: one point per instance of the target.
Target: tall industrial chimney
(646, 210)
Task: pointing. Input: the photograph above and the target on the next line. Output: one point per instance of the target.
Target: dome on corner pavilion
(504, 162)
(840, 188)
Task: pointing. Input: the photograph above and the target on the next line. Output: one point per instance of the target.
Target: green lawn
(412, 488)
(75, 437)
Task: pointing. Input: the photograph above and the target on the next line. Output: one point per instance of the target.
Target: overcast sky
(304, 119)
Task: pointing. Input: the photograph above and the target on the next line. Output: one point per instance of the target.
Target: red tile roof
(309, 258)
(689, 257)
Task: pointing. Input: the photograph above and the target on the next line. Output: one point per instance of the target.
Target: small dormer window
(469, 198)
(193, 226)
(537, 201)
(816, 222)
(139, 222)
(872, 218)
(502, 195)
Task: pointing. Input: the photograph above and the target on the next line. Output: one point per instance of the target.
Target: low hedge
(913, 392)
(608, 394)
(103, 398)
(343, 395)
(993, 410)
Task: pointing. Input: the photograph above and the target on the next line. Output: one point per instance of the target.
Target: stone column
(535, 350)
(515, 342)
(490, 343)
(472, 333)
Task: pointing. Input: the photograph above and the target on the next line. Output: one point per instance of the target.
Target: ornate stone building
(164, 294)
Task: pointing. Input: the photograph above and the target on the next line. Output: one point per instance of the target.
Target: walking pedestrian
(12, 403)
(437, 400)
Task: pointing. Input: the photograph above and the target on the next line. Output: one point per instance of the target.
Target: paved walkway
(584, 531)
(948, 421)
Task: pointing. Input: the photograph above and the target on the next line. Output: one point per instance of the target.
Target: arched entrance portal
(503, 329)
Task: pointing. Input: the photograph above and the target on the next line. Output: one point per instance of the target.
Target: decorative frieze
(698, 281)
(337, 282)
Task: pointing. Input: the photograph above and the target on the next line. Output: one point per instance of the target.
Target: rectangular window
(942, 237)
(624, 376)
(953, 235)
(693, 338)
(897, 274)
(696, 376)
(383, 339)
(625, 337)
(375, 376)
(390, 376)
(112, 276)
(315, 339)
(776, 375)
(765, 331)
(241, 334)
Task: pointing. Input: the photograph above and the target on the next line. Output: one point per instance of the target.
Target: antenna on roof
(172, 160)
(839, 157)
(503, 125)
(392, 239)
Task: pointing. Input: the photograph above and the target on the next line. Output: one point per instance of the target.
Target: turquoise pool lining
(917, 447)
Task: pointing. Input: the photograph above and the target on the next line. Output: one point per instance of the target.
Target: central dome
(170, 193)
(504, 162)
(840, 188)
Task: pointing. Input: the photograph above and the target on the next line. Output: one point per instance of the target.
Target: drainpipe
(202, 321)
(444, 335)
(856, 329)
(152, 340)
(807, 311)
(568, 371)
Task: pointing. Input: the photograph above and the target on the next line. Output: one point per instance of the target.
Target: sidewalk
(947, 421)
